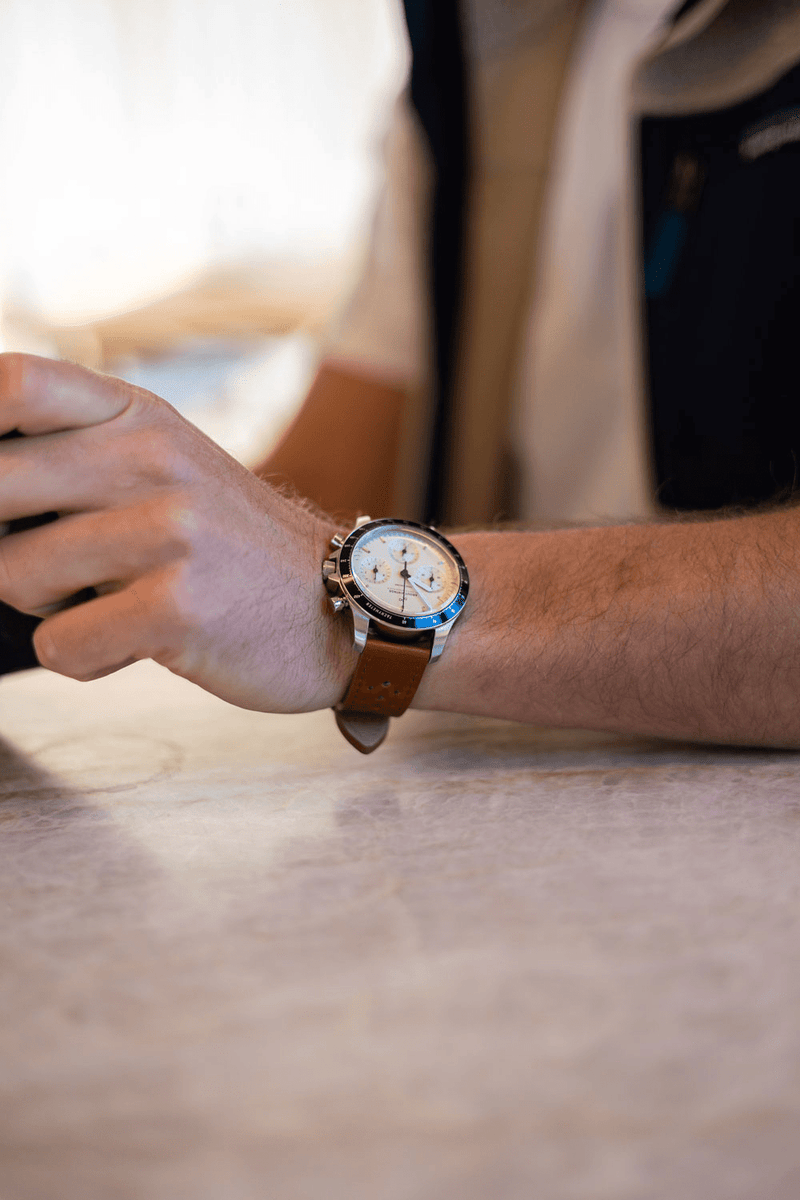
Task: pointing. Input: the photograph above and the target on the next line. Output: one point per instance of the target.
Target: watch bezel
(368, 606)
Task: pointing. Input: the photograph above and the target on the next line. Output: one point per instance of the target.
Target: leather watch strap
(386, 678)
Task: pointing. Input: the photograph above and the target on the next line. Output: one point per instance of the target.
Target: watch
(405, 586)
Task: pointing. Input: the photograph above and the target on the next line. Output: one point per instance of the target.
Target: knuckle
(12, 373)
(178, 607)
(179, 523)
(159, 605)
(136, 406)
(46, 649)
(12, 364)
(147, 455)
(53, 656)
(176, 597)
(155, 458)
(143, 406)
(169, 525)
(6, 572)
(12, 589)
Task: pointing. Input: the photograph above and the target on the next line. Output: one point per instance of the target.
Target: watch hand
(405, 577)
(419, 593)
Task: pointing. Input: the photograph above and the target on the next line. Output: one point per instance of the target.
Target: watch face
(404, 573)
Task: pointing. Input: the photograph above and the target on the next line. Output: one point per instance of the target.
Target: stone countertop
(242, 962)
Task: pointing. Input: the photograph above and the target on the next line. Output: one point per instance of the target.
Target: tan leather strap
(365, 731)
(386, 678)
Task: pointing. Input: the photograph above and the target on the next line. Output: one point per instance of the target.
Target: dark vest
(438, 88)
(721, 243)
(721, 250)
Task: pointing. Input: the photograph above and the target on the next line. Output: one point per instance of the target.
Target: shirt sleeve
(382, 327)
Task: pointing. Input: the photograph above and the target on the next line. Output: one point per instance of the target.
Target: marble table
(242, 962)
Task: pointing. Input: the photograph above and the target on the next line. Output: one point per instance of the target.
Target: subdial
(430, 579)
(374, 569)
(403, 551)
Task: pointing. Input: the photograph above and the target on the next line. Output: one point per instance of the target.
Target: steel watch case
(345, 589)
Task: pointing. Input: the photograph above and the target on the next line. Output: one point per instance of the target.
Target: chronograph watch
(405, 585)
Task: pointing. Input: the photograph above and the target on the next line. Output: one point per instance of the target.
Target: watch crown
(337, 540)
(337, 603)
(328, 568)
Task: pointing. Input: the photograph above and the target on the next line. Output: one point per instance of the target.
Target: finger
(41, 395)
(101, 466)
(47, 565)
(103, 635)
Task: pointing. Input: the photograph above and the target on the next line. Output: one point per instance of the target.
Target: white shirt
(579, 421)
(579, 424)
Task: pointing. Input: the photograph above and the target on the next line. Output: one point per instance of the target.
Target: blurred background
(186, 190)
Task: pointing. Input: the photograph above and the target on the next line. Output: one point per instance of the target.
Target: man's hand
(199, 564)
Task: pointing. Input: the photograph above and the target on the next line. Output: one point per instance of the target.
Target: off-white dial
(412, 574)
(377, 570)
(431, 578)
(403, 550)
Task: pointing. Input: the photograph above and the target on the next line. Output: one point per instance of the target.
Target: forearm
(341, 449)
(685, 630)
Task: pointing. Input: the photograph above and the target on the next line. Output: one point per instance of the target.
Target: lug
(360, 630)
(439, 639)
